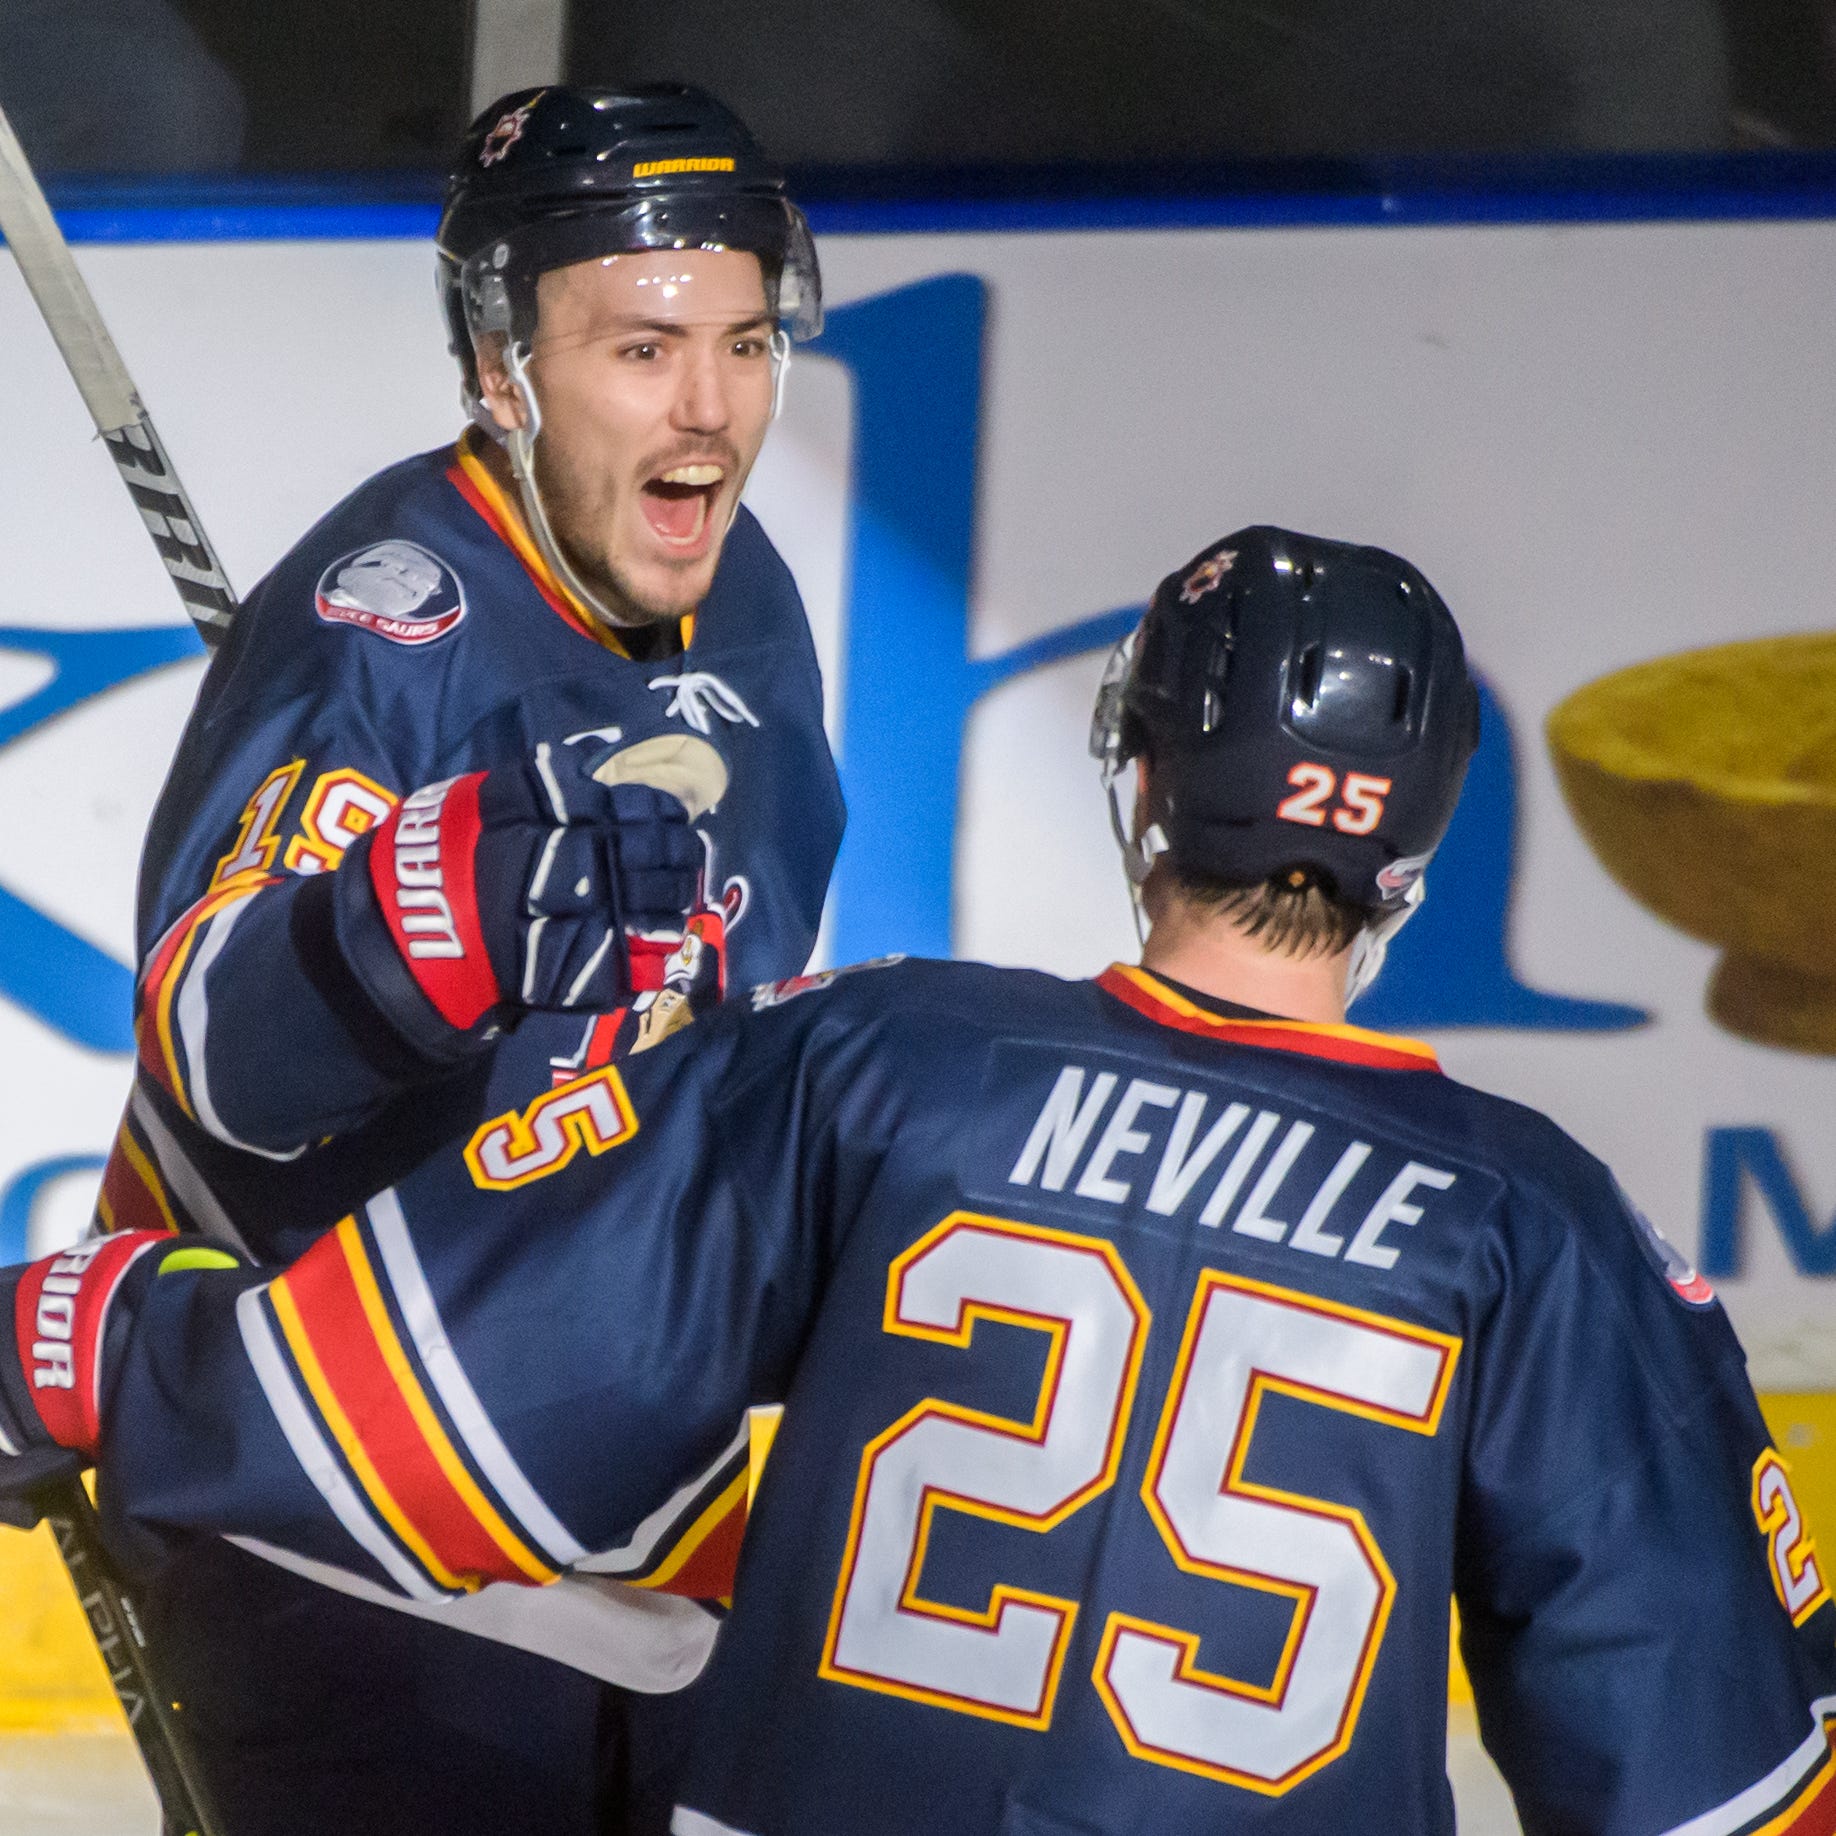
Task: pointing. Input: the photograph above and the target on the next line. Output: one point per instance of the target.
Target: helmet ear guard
(1372, 944)
(1108, 746)
(481, 307)
(1307, 706)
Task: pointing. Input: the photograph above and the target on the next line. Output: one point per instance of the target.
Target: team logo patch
(397, 589)
(1206, 577)
(1682, 1277)
(506, 132)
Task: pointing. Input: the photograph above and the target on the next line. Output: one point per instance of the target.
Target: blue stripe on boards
(1528, 189)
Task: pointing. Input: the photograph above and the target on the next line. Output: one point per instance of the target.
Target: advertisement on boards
(1608, 446)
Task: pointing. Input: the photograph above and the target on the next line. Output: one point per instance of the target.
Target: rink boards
(1604, 443)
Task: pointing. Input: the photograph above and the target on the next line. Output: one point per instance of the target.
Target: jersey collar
(1349, 1045)
(471, 478)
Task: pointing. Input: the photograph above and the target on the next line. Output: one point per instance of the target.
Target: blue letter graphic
(48, 970)
(916, 357)
(1728, 1154)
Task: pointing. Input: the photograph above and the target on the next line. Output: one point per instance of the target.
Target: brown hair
(1293, 913)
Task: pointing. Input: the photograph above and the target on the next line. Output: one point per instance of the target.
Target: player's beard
(572, 513)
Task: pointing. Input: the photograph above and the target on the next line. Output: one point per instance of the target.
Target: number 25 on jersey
(1243, 1339)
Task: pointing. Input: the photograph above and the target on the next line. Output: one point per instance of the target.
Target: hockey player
(574, 582)
(622, 276)
(1161, 1353)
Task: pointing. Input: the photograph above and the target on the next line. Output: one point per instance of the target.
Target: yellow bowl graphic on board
(1706, 784)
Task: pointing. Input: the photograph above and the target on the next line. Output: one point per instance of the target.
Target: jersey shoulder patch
(776, 994)
(396, 589)
(1679, 1274)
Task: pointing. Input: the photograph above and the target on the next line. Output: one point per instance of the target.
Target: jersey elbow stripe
(650, 1545)
(196, 1205)
(1814, 1813)
(150, 994)
(353, 1446)
(164, 977)
(371, 1401)
(433, 1432)
(420, 1313)
(317, 1461)
(158, 1050)
(192, 1007)
(133, 1196)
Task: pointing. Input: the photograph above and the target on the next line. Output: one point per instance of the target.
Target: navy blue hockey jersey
(1153, 1375)
(412, 635)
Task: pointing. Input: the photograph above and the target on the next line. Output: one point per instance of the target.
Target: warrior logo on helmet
(1206, 577)
(507, 132)
(397, 589)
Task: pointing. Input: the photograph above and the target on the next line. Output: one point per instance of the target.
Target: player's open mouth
(677, 502)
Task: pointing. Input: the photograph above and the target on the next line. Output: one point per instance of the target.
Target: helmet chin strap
(780, 369)
(519, 442)
(1138, 851)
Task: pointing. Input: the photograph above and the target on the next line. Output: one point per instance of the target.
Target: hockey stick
(51, 273)
(152, 1715)
(108, 391)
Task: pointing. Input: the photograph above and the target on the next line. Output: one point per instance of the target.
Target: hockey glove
(52, 1364)
(532, 886)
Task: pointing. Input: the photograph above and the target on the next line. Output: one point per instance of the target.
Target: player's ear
(496, 386)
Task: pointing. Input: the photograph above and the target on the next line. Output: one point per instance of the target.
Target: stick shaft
(70, 311)
(152, 1716)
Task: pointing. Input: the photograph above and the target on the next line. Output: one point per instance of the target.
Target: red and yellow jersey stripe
(702, 1562)
(1812, 1811)
(134, 1196)
(1348, 1045)
(366, 1390)
(437, 1486)
(1797, 1798)
(155, 1038)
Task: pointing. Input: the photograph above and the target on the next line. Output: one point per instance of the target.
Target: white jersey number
(1243, 1339)
(1003, 1662)
(1797, 1575)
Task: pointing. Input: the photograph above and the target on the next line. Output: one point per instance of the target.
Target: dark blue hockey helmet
(1305, 707)
(549, 177)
